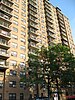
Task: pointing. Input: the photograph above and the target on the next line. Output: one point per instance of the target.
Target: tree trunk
(57, 89)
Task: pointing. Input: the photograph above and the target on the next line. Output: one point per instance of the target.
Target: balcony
(5, 10)
(33, 9)
(47, 4)
(34, 39)
(61, 25)
(48, 16)
(64, 34)
(61, 18)
(64, 39)
(50, 25)
(49, 12)
(4, 64)
(11, 1)
(50, 29)
(65, 43)
(33, 25)
(62, 29)
(5, 17)
(7, 4)
(3, 54)
(60, 14)
(5, 26)
(33, 32)
(32, 14)
(61, 21)
(49, 20)
(4, 45)
(32, 19)
(5, 35)
(50, 35)
(32, 52)
(50, 41)
(33, 3)
(48, 8)
(33, 46)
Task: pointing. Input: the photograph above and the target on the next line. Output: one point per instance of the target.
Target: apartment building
(26, 25)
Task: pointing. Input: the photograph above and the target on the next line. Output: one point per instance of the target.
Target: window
(22, 47)
(12, 96)
(15, 22)
(1, 85)
(22, 40)
(0, 96)
(14, 36)
(14, 45)
(22, 73)
(16, 5)
(15, 29)
(16, 16)
(21, 96)
(22, 56)
(22, 84)
(16, 10)
(23, 26)
(23, 14)
(13, 63)
(22, 64)
(23, 33)
(12, 84)
(13, 72)
(17, 0)
(23, 20)
(24, 10)
(13, 53)
(2, 62)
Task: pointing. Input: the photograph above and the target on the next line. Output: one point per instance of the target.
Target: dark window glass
(12, 84)
(21, 96)
(0, 96)
(12, 96)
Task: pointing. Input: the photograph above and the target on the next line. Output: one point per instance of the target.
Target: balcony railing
(33, 39)
(33, 3)
(49, 20)
(33, 14)
(32, 19)
(50, 13)
(33, 25)
(7, 18)
(33, 46)
(3, 54)
(4, 45)
(51, 36)
(31, 52)
(8, 11)
(33, 32)
(10, 1)
(8, 4)
(33, 9)
(4, 33)
(5, 25)
(49, 16)
(6, 64)
(65, 43)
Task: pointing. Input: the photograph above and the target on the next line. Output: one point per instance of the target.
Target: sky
(68, 9)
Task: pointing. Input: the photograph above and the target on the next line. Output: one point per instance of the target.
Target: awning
(70, 97)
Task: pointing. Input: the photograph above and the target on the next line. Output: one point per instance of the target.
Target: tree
(61, 63)
(50, 66)
(33, 72)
